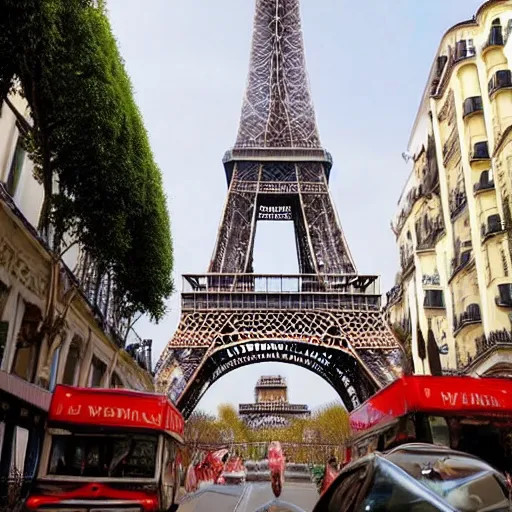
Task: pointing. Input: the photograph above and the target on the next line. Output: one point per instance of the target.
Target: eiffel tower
(326, 319)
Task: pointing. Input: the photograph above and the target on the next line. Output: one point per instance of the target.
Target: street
(250, 497)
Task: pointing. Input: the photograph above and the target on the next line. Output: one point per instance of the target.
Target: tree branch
(24, 124)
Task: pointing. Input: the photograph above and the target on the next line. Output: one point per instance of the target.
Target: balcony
(495, 38)
(406, 261)
(462, 260)
(275, 292)
(273, 407)
(504, 300)
(451, 147)
(428, 232)
(394, 295)
(486, 182)
(471, 316)
(458, 202)
(464, 49)
(480, 152)
(502, 79)
(491, 227)
(472, 106)
(440, 67)
(434, 299)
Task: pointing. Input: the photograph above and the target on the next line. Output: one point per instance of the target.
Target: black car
(417, 478)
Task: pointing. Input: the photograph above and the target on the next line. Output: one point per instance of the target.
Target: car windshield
(116, 456)
(465, 483)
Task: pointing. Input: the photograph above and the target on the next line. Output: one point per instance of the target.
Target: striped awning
(23, 390)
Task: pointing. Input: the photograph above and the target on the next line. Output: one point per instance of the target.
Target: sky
(368, 63)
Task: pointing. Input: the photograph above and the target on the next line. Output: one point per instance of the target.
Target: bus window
(120, 456)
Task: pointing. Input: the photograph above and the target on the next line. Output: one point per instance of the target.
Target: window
(434, 299)
(96, 373)
(54, 368)
(71, 370)
(89, 456)
(115, 381)
(19, 452)
(27, 344)
(388, 492)
(4, 325)
(462, 482)
(13, 178)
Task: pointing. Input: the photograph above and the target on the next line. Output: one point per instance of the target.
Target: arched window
(96, 373)
(72, 368)
(28, 344)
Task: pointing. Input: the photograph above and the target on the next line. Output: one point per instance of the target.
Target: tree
(102, 187)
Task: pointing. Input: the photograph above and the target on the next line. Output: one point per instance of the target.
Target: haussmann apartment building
(452, 302)
(90, 348)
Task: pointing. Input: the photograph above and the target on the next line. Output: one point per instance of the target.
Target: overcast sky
(368, 63)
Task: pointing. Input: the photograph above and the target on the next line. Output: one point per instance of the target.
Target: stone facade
(452, 302)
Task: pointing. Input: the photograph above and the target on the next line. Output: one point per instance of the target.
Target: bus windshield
(105, 456)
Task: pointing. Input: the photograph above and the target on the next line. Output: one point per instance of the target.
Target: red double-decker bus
(473, 415)
(109, 449)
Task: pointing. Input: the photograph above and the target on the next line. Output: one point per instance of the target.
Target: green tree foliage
(87, 139)
(328, 425)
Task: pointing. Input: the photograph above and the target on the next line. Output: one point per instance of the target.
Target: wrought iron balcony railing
(472, 315)
(303, 291)
(486, 182)
(495, 36)
(472, 105)
(480, 151)
(492, 226)
(502, 79)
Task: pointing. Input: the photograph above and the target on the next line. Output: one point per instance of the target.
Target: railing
(472, 315)
(495, 37)
(347, 284)
(472, 105)
(504, 299)
(480, 151)
(458, 202)
(307, 291)
(486, 182)
(502, 79)
(271, 382)
(394, 295)
(492, 226)
(252, 153)
(282, 407)
(427, 236)
(97, 289)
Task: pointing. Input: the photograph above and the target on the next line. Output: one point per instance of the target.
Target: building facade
(452, 302)
(271, 408)
(87, 344)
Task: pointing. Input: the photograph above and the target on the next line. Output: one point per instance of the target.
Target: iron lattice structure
(326, 319)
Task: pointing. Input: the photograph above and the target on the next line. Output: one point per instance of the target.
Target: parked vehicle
(473, 415)
(417, 478)
(234, 471)
(109, 450)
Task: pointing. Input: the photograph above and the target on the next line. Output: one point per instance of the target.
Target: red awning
(23, 390)
(118, 408)
(447, 396)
